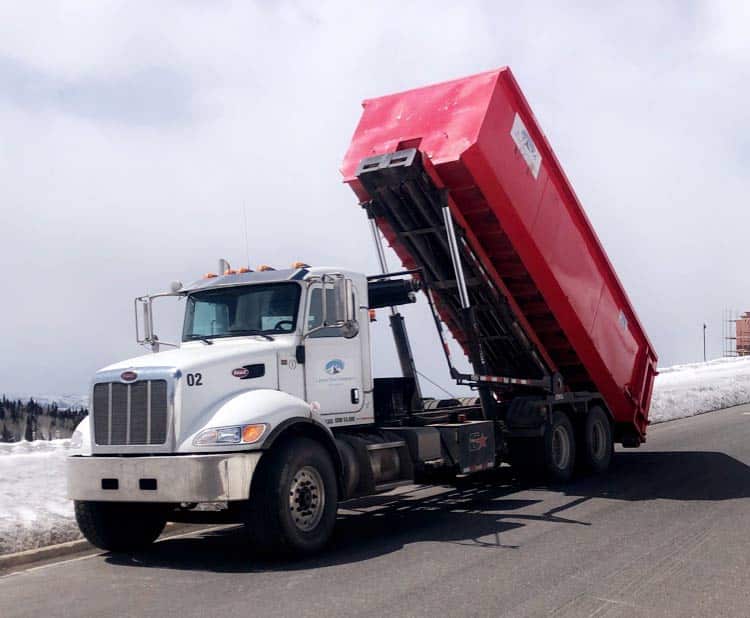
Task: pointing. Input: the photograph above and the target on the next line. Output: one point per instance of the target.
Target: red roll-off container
(478, 139)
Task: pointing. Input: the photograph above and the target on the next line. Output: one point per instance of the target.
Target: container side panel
(481, 141)
(614, 341)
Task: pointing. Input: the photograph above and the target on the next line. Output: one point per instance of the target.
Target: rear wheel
(293, 499)
(559, 448)
(597, 441)
(120, 526)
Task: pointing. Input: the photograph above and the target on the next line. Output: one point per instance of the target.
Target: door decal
(334, 366)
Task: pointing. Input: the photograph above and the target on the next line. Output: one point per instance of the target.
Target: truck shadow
(476, 512)
(472, 514)
(668, 475)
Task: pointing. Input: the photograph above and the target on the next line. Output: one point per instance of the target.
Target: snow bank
(687, 390)
(33, 508)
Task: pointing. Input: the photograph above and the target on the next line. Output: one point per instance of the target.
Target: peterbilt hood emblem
(128, 376)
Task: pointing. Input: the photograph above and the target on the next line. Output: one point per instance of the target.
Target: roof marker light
(300, 265)
(264, 267)
(243, 270)
(209, 275)
(230, 271)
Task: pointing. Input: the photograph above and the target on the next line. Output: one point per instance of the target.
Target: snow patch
(33, 509)
(686, 390)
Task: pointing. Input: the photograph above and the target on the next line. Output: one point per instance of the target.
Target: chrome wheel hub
(306, 498)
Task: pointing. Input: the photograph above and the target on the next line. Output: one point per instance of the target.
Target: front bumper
(170, 478)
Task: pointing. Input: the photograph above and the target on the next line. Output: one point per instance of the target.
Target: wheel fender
(268, 406)
(314, 428)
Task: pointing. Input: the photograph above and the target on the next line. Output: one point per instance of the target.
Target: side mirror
(146, 335)
(350, 311)
(336, 315)
(144, 322)
(338, 307)
(350, 328)
(344, 310)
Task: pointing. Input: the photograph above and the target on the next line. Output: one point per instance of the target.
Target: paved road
(667, 532)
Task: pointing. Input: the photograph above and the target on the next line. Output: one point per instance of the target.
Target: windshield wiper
(260, 333)
(199, 338)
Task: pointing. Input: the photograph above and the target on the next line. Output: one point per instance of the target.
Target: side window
(315, 313)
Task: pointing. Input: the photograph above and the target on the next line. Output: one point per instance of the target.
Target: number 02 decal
(194, 379)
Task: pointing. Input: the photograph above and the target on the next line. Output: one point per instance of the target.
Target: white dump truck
(267, 408)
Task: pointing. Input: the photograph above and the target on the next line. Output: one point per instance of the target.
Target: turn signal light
(264, 267)
(372, 315)
(209, 275)
(300, 265)
(252, 433)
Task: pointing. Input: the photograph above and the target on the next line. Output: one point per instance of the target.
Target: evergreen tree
(29, 432)
(5, 435)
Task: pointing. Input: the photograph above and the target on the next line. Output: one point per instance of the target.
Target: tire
(559, 448)
(293, 499)
(597, 441)
(120, 526)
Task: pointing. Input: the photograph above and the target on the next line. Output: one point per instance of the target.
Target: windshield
(241, 310)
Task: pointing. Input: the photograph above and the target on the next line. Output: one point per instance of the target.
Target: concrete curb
(69, 548)
(40, 554)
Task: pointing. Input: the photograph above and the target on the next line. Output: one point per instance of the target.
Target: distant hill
(64, 402)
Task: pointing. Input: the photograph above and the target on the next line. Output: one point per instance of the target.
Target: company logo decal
(241, 372)
(334, 366)
(128, 376)
(477, 441)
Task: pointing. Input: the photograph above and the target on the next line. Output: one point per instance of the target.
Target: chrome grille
(130, 413)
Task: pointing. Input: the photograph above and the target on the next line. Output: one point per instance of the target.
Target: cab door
(333, 362)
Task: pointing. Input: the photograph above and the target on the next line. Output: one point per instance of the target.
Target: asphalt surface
(665, 533)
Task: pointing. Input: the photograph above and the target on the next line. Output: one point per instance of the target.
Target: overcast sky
(131, 135)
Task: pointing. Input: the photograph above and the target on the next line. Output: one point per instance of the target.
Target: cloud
(146, 96)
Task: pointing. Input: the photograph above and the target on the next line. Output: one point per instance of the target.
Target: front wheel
(293, 499)
(120, 526)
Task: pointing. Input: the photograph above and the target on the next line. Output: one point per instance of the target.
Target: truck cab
(264, 355)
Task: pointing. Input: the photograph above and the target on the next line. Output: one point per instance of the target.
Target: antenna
(247, 242)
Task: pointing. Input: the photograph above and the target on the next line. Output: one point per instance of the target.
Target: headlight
(239, 434)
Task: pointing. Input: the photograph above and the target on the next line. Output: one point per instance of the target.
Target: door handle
(355, 395)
